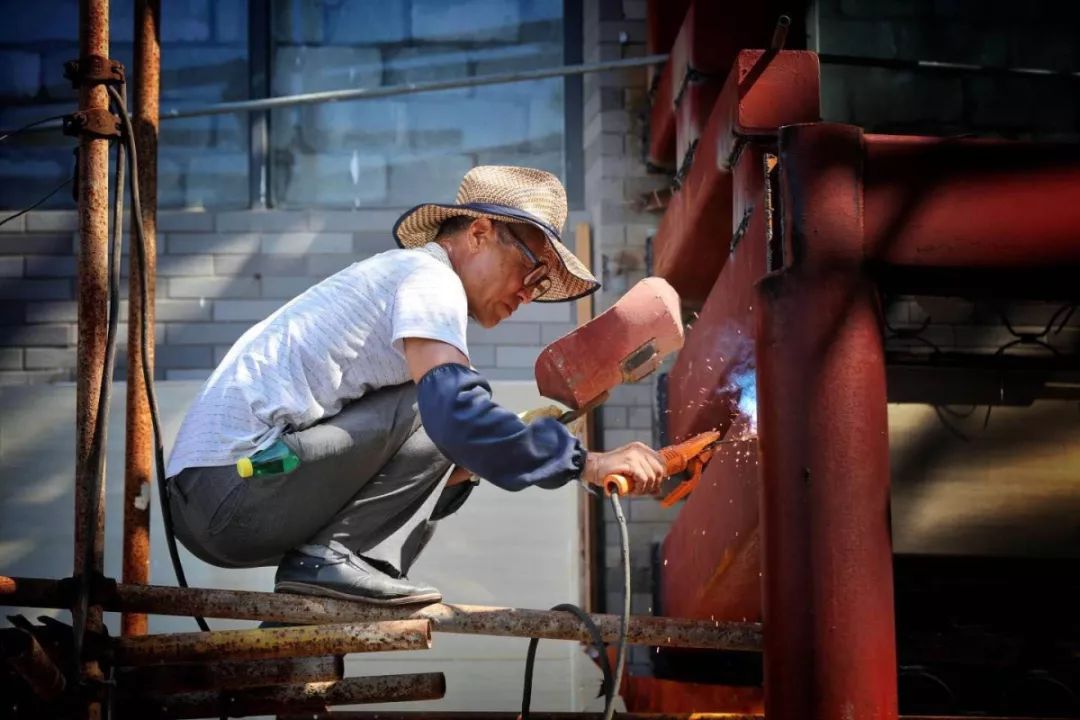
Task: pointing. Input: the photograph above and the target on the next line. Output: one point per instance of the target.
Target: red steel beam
(711, 558)
(763, 91)
(644, 694)
(711, 35)
(970, 203)
(828, 592)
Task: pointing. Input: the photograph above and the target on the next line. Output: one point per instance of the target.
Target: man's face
(503, 273)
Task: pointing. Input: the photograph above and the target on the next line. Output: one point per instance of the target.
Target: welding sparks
(746, 382)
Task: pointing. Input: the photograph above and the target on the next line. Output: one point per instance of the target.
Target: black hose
(611, 680)
(148, 378)
(598, 643)
(620, 661)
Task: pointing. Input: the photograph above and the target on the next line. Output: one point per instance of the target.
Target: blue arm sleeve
(469, 428)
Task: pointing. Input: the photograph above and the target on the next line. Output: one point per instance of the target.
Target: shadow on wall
(1006, 486)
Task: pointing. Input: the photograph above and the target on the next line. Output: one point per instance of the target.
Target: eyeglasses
(536, 282)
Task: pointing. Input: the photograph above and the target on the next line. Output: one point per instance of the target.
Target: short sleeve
(430, 303)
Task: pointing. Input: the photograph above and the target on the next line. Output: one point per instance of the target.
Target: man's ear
(480, 229)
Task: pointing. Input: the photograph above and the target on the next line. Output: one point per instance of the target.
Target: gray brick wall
(218, 274)
(615, 177)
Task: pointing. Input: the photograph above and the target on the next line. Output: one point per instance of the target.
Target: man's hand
(458, 476)
(637, 461)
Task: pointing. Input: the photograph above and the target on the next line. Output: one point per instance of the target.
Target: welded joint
(774, 246)
(94, 70)
(740, 231)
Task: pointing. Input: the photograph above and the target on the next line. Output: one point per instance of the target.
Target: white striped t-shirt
(333, 343)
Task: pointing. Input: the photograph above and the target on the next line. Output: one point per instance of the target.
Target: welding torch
(689, 456)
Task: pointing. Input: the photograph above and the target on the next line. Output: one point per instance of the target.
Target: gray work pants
(367, 479)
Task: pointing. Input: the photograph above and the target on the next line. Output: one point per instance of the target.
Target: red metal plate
(711, 373)
(692, 114)
(711, 558)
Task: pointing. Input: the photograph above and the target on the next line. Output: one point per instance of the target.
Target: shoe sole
(306, 589)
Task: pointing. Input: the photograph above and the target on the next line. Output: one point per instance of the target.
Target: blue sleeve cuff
(469, 428)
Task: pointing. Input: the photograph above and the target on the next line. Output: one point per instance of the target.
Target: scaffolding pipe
(308, 698)
(283, 101)
(138, 429)
(460, 619)
(24, 654)
(196, 677)
(92, 284)
(270, 643)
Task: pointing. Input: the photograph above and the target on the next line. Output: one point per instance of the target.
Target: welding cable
(148, 377)
(611, 680)
(26, 127)
(597, 638)
(620, 657)
(95, 461)
(48, 195)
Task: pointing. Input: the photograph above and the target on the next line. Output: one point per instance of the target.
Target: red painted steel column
(828, 595)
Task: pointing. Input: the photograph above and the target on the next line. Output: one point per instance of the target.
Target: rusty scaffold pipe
(265, 644)
(23, 654)
(460, 619)
(138, 430)
(92, 284)
(195, 677)
(308, 698)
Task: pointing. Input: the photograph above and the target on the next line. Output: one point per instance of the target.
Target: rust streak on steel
(307, 698)
(460, 619)
(25, 656)
(139, 434)
(91, 280)
(193, 677)
(304, 640)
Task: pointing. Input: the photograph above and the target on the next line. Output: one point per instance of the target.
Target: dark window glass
(407, 149)
(203, 162)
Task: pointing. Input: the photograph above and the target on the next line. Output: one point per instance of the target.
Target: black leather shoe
(319, 570)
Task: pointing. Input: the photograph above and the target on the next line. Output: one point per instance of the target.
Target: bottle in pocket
(274, 460)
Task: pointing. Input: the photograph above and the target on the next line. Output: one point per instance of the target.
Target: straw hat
(512, 195)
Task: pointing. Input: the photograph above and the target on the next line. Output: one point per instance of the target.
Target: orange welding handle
(619, 484)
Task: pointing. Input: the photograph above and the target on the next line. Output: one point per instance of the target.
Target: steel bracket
(96, 122)
(94, 69)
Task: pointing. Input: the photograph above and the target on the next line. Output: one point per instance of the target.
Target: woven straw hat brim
(420, 225)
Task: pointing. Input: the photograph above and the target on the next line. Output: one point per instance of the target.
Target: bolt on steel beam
(307, 698)
(195, 677)
(460, 619)
(264, 644)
